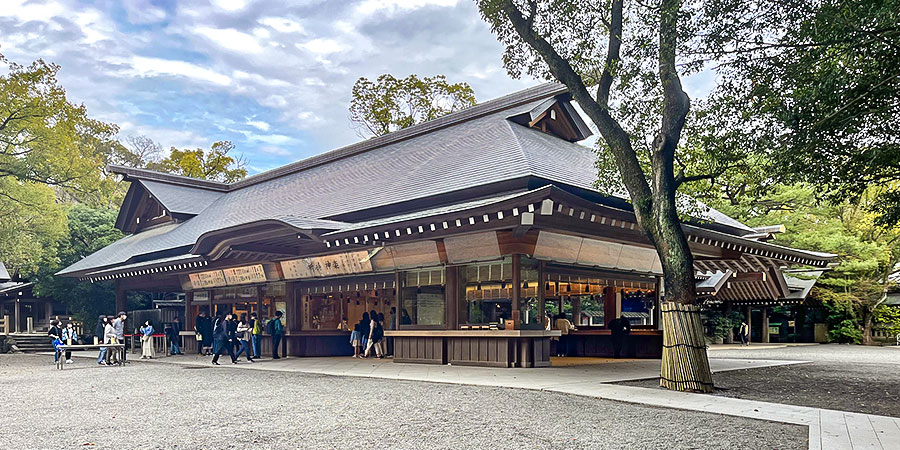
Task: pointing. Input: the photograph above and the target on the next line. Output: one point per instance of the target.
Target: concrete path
(828, 429)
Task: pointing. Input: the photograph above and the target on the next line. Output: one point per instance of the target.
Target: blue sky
(273, 79)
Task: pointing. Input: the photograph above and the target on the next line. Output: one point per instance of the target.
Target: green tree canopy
(215, 164)
(390, 104)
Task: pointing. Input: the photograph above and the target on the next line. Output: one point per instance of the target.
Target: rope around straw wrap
(685, 366)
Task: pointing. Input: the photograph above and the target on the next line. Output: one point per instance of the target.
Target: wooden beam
(263, 248)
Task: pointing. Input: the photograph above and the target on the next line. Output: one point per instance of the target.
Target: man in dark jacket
(220, 339)
(173, 334)
(203, 327)
(620, 328)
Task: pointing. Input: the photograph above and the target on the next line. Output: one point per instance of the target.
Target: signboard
(244, 275)
(792, 323)
(328, 266)
(201, 297)
(202, 280)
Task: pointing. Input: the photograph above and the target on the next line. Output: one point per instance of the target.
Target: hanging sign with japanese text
(328, 266)
(202, 280)
(244, 275)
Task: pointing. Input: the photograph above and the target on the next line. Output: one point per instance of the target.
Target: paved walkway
(828, 429)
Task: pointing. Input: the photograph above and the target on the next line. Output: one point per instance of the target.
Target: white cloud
(231, 39)
(271, 139)
(26, 11)
(149, 67)
(258, 124)
(274, 150)
(230, 5)
(322, 46)
(142, 11)
(369, 7)
(282, 24)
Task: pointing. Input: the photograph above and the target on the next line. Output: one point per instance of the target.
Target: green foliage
(888, 318)
(215, 164)
(719, 323)
(823, 77)
(390, 104)
(46, 139)
(89, 230)
(31, 224)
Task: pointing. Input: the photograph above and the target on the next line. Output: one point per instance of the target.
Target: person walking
(99, 338)
(232, 333)
(147, 350)
(376, 334)
(355, 340)
(119, 325)
(619, 328)
(256, 330)
(744, 332)
(276, 329)
(220, 339)
(243, 336)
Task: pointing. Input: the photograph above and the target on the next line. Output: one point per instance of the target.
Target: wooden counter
(596, 342)
(492, 348)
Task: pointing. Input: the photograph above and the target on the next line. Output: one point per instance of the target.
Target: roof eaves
(132, 173)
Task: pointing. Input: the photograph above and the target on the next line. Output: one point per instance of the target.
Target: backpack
(378, 332)
(270, 327)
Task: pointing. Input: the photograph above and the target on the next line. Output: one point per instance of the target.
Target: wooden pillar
(729, 336)
(576, 311)
(660, 287)
(749, 324)
(516, 285)
(609, 304)
(188, 300)
(765, 324)
(542, 293)
(121, 298)
(48, 305)
(18, 312)
(451, 297)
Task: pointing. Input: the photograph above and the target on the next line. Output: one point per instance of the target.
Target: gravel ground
(147, 405)
(842, 377)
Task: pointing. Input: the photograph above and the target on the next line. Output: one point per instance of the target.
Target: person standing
(147, 350)
(109, 337)
(276, 329)
(364, 330)
(119, 325)
(391, 325)
(619, 328)
(220, 339)
(232, 333)
(744, 332)
(243, 336)
(256, 330)
(55, 335)
(173, 333)
(564, 327)
(69, 337)
(203, 326)
(99, 338)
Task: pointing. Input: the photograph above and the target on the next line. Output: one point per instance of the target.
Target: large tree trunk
(654, 207)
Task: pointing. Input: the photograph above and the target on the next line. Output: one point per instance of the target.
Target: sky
(273, 79)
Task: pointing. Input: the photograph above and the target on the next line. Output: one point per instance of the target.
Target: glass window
(529, 301)
(422, 300)
(486, 293)
(273, 299)
(638, 306)
(324, 312)
(358, 302)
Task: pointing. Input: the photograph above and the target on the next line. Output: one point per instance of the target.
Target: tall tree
(46, 139)
(583, 44)
(215, 164)
(390, 104)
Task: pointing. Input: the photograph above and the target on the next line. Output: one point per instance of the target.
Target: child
(355, 340)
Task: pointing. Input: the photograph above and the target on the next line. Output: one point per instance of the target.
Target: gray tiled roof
(475, 147)
(180, 199)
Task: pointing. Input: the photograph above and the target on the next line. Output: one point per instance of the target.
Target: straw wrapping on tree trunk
(685, 366)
